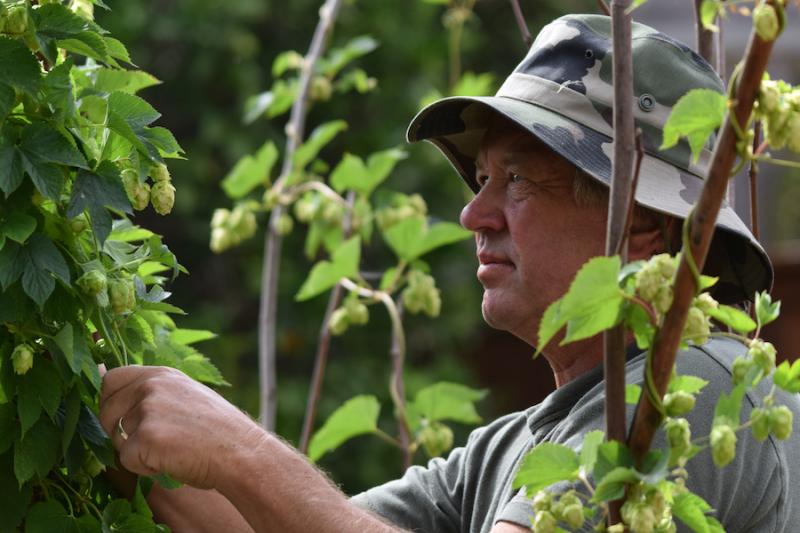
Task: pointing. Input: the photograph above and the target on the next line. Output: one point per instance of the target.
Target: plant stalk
(267, 316)
(620, 200)
(701, 230)
(523, 27)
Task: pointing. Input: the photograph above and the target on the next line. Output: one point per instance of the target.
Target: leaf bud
(723, 444)
(544, 522)
(436, 438)
(162, 197)
(160, 172)
(780, 422)
(339, 321)
(759, 423)
(22, 359)
(93, 282)
(678, 403)
(765, 20)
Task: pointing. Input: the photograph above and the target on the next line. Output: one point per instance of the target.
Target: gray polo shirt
(471, 490)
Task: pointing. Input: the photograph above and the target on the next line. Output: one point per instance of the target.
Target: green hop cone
(616, 528)
(766, 23)
(122, 295)
(666, 526)
(357, 312)
(723, 444)
(17, 20)
(780, 422)
(697, 327)
(22, 359)
(679, 436)
(270, 199)
(793, 131)
(759, 423)
(83, 8)
(418, 204)
(436, 438)
(79, 223)
(332, 212)
(572, 515)
(544, 522)
(321, 88)
(138, 192)
(241, 224)
(705, 302)
(221, 240)
(162, 197)
(339, 321)
(285, 224)
(160, 172)
(93, 282)
(741, 367)
(543, 501)
(678, 403)
(305, 209)
(763, 354)
(220, 218)
(769, 96)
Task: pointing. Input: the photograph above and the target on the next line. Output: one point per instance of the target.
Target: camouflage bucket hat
(562, 93)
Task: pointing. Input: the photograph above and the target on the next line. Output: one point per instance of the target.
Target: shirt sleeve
(424, 499)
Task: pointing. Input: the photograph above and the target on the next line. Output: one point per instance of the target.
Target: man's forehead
(511, 139)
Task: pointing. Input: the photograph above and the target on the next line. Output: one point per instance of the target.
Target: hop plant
(723, 444)
(421, 294)
(544, 522)
(160, 172)
(678, 403)
(138, 192)
(162, 197)
(679, 436)
(654, 282)
(759, 423)
(22, 359)
(285, 224)
(357, 312)
(436, 438)
(122, 295)
(780, 422)
(697, 326)
(765, 21)
(339, 321)
(763, 354)
(93, 282)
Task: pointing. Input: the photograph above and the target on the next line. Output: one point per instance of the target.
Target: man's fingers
(130, 457)
(119, 378)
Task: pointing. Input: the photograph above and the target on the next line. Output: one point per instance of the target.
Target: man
(537, 156)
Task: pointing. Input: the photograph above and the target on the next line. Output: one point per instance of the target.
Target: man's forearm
(277, 489)
(195, 510)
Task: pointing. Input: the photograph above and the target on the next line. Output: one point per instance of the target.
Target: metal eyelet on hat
(589, 54)
(647, 102)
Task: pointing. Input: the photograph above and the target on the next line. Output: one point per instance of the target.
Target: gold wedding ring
(121, 430)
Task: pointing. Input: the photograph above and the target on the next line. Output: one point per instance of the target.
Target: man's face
(531, 236)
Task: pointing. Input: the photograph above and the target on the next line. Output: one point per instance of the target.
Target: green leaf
(127, 81)
(766, 310)
(38, 451)
(690, 509)
(350, 173)
(338, 58)
(546, 464)
(591, 442)
(729, 406)
(632, 393)
(18, 67)
(289, 59)
(87, 43)
(412, 238)
(591, 305)
(73, 347)
(273, 103)
(117, 50)
(13, 259)
(695, 116)
(250, 172)
(17, 226)
(56, 21)
(166, 481)
(40, 142)
(612, 485)
(322, 135)
(38, 285)
(49, 517)
(99, 191)
(44, 255)
(48, 178)
(39, 388)
(449, 401)
(736, 319)
(686, 383)
(11, 169)
(72, 411)
(191, 336)
(787, 376)
(326, 274)
(8, 427)
(15, 500)
(709, 10)
(610, 455)
(357, 416)
(472, 84)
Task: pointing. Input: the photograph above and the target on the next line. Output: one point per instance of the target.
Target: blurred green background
(211, 56)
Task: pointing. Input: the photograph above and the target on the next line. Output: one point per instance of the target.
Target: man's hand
(161, 421)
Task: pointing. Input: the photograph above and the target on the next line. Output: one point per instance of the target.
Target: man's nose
(484, 212)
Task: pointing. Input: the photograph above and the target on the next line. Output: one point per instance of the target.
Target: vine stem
(324, 344)
(398, 354)
(753, 175)
(620, 200)
(268, 305)
(703, 218)
(523, 27)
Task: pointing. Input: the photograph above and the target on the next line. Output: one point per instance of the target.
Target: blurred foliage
(211, 56)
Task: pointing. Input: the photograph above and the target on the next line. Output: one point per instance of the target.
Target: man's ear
(650, 235)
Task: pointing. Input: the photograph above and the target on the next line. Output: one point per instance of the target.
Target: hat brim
(456, 126)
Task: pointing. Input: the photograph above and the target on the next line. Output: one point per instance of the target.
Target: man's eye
(481, 180)
(516, 178)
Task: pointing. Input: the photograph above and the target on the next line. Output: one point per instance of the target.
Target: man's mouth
(493, 266)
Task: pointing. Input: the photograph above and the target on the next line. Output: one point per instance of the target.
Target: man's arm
(176, 426)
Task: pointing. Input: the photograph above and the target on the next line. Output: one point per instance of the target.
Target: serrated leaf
(686, 383)
(48, 178)
(250, 172)
(49, 517)
(40, 142)
(87, 43)
(588, 455)
(117, 50)
(338, 58)
(545, 464)
(191, 336)
(787, 376)
(690, 509)
(38, 285)
(44, 255)
(72, 410)
(11, 169)
(591, 305)
(695, 116)
(610, 455)
(38, 451)
(18, 67)
(326, 274)
(449, 401)
(632, 393)
(612, 485)
(56, 21)
(8, 99)
(17, 226)
(99, 191)
(357, 416)
(273, 103)
(733, 317)
(73, 346)
(126, 81)
(321, 136)
(729, 406)
(15, 500)
(766, 310)
(412, 238)
(472, 84)
(12, 263)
